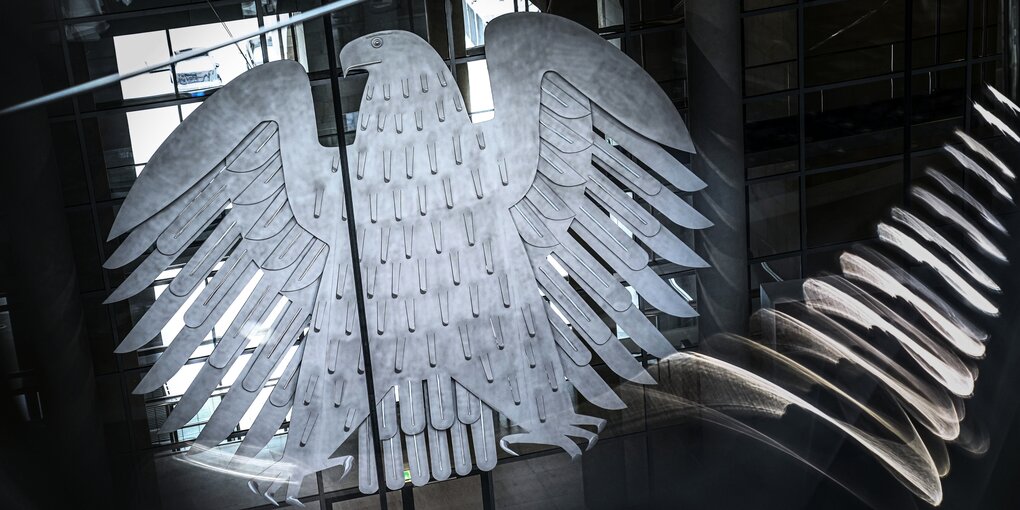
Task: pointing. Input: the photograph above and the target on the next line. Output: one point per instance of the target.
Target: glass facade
(844, 101)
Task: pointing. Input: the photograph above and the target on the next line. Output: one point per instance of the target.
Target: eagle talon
(506, 448)
(292, 501)
(348, 464)
(269, 497)
(253, 487)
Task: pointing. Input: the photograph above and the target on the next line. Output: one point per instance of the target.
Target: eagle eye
(376, 42)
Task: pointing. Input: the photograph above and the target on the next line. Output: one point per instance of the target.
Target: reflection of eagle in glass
(460, 228)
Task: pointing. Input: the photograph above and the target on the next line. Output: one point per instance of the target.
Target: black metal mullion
(320, 489)
(260, 14)
(407, 497)
(747, 185)
(173, 67)
(488, 491)
(969, 80)
(801, 132)
(366, 352)
(451, 62)
(908, 94)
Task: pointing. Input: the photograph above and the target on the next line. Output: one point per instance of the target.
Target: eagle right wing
(603, 197)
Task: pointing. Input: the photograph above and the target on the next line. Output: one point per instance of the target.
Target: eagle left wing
(246, 167)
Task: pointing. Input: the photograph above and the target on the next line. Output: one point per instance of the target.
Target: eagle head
(390, 47)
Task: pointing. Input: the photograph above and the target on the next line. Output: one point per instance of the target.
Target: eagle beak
(351, 58)
(362, 65)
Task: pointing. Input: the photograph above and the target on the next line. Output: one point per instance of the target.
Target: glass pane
(549, 481)
(147, 129)
(939, 32)
(85, 246)
(394, 500)
(750, 5)
(135, 51)
(773, 209)
(854, 123)
(663, 55)
(775, 270)
(216, 69)
(454, 494)
(478, 13)
(988, 38)
(939, 103)
(474, 86)
(409, 15)
(132, 41)
(771, 141)
(855, 39)
(610, 13)
(846, 205)
(643, 12)
(770, 52)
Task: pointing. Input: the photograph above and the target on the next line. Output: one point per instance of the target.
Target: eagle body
(449, 288)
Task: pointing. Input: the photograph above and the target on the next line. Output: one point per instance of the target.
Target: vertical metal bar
(449, 39)
(969, 68)
(488, 494)
(407, 497)
(938, 32)
(984, 27)
(625, 40)
(320, 487)
(1011, 45)
(908, 93)
(366, 350)
(801, 128)
(260, 13)
(173, 67)
(410, 16)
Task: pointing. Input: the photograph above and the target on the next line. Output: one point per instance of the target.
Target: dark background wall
(811, 119)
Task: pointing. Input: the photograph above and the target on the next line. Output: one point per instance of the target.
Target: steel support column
(716, 125)
(66, 451)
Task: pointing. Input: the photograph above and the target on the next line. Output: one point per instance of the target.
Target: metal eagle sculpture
(459, 229)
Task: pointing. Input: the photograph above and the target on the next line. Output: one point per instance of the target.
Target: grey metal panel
(455, 223)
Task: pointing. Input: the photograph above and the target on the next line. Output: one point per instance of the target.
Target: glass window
(454, 494)
(854, 123)
(771, 136)
(775, 270)
(645, 12)
(852, 39)
(770, 52)
(549, 481)
(938, 106)
(478, 13)
(845, 205)
(474, 86)
(147, 129)
(663, 55)
(939, 32)
(751, 5)
(773, 211)
(135, 51)
(988, 38)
